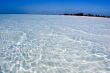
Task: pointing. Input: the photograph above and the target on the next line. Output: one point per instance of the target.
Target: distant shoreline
(67, 14)
(89, 15)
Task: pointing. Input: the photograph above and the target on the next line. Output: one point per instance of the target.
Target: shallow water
(54, 44)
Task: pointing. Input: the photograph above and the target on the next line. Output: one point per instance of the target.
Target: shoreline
(87, 15)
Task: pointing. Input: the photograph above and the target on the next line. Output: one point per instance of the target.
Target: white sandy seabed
(54, 44)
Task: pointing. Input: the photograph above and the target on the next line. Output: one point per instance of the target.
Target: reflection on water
(54, 44)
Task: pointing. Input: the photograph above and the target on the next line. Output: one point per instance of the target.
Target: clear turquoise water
(54, 44)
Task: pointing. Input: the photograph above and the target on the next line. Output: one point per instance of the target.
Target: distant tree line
(89, 14)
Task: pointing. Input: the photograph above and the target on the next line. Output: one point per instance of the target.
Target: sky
(101, 7)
